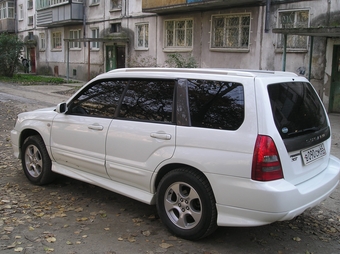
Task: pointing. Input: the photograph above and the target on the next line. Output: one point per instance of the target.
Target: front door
(111, 60)
(335, 81)
(120, 56)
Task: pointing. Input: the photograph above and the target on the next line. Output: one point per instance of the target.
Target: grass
(31, 79)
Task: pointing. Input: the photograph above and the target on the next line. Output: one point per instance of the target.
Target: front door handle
(160, 135)
(96, 127)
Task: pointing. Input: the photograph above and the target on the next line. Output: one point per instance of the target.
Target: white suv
(209, 147)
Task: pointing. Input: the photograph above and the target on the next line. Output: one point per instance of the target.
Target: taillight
(266, 160)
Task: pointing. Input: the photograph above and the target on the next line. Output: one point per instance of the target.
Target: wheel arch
(169, 167)
(25, 134)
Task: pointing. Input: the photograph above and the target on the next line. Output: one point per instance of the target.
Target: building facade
(82, 38)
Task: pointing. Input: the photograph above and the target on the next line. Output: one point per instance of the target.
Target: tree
(10, 48)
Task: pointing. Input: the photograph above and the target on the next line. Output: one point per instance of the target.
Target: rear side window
(216, 104)
(296, 108)
(148, 100)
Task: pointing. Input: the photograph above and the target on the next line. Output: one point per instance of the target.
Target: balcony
(56, 13)
(175, 6)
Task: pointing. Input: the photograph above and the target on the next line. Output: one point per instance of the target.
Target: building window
(95, 34)
(75, 34)
(178, 33)
(42, 40)
(56, 2)
(142, 36)
(30, 20)
(230, 31)
(21, 12)
(6, 10)
(116, 28)
(293, 19)
(94, 2)
(56, 40)
(116, 4)
(29, 4)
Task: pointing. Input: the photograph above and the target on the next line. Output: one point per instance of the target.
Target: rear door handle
(161, 135)
(96, 127)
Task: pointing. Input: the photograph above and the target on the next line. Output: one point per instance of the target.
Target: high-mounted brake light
(266, 160)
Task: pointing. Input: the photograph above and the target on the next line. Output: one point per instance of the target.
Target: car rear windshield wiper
(303, 131)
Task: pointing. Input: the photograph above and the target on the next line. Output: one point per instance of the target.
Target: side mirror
(61, 107)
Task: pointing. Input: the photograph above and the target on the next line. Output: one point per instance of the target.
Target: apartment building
(82, 38)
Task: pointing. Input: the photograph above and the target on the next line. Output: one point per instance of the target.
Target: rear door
(143, 134)
(302, 124)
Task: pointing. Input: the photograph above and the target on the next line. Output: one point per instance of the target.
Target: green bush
(10, 48)
(179, 61)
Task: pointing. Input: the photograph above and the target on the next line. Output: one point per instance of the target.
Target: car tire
(186, 204)
(36, 162)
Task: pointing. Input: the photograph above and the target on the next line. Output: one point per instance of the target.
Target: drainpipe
(284, 52)
(310, 57)
(266, 26)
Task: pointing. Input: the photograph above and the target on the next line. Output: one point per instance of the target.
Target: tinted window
(216, 104)
(148, 100)
(296, 108)
(99, 100)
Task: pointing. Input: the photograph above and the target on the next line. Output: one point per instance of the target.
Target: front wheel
(36, 162)
(186, 204)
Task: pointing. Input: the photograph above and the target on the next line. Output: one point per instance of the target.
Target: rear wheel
(36, 162)
(186, 204)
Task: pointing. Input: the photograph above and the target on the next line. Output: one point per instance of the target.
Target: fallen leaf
(297, 239)
(19, 249)
(165, 245)
(51, 239)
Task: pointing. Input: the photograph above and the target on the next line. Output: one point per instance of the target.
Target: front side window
(178, 33)
(98, 100)
(216, 104)
(230, 31)
(148, 100)
(56, 40)
(142, 36)
(293, 19)
(75, 34)
(95, 34)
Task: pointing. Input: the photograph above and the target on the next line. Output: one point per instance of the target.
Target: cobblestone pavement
(69, 216)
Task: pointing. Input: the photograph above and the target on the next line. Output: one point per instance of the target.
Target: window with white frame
(178, 33)
(116, 4)
(230, 31)
(142, 35)
(6, 10)
(29, 4)
(56, 2)
(30, 20)
(21, 12)
(95, 34)
(42, 41)
(293, 19)
(75, 34)
(56, 40)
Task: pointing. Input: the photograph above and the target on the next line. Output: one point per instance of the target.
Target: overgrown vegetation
(177, 60)
(10, 48)
(29, 79)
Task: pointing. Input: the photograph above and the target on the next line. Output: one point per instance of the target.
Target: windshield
(296, 108)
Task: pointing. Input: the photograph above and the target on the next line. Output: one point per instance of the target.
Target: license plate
(313, 154)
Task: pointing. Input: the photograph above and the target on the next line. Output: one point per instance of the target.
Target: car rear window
(297, 109)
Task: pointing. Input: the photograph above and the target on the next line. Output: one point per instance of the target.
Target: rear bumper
(243, 202)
